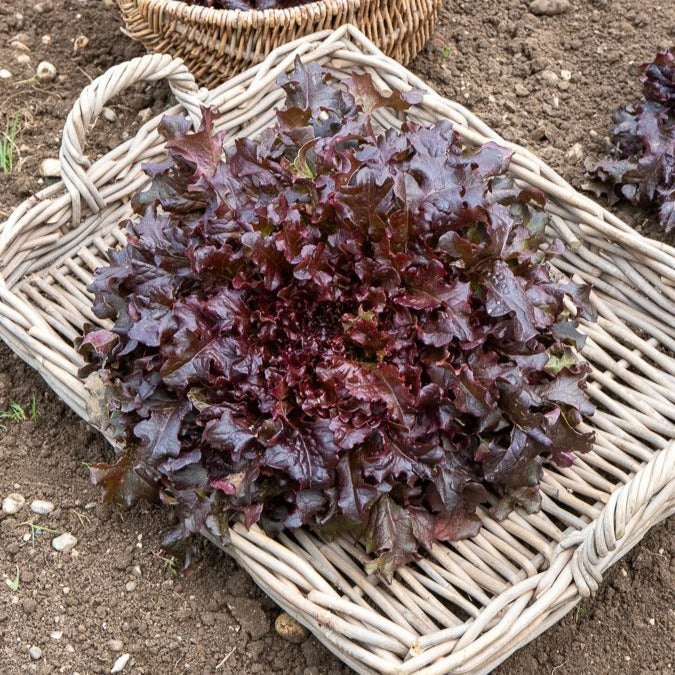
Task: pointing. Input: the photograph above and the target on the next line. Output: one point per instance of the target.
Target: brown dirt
(487, 55)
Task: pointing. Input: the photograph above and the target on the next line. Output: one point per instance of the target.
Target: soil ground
(115, 593)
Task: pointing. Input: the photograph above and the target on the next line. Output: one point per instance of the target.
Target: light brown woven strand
(465, 606)
(216, 43)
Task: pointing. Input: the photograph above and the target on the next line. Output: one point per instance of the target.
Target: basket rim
(199, 14)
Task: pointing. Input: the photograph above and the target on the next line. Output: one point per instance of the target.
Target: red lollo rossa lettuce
(642, 169)
(338, 326)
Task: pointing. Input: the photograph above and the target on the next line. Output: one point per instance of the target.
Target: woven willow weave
(465, 606)
(217, 43)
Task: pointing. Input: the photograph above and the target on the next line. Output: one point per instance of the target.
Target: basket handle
(602, 536)
(93, 98)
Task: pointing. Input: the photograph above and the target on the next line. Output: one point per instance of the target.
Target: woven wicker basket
(465, 606)
(216, 43)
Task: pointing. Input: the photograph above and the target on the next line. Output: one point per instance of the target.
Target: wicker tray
(465, 606)
(216, 43)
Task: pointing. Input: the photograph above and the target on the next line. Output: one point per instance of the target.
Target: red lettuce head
(339, 326)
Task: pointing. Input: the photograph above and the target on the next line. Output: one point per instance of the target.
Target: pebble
(41, 507)
(116, 645)
(35, 653)
(5, 74)
(122, 661)
(290, 629)
(46, 71)
(145, 114)
(19, 46)
(109, 114)
(80, 42)
(136, 571)
(576, 152)
(22, 58)
(549, 77)
(56, 635)
(43, 7)
(46, 39)
(521, 90)
(549, 7)
(131, 586)
(50, 168)
(13, 503)
(64, 542)
(566, 75)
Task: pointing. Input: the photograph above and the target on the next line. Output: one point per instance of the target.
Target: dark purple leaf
(642, 167)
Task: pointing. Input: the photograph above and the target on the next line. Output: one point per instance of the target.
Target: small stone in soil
(56, 635)
(549, 7)
(290, 629)
(109, 114)
(13, 503)
(80, 43)
(19, 46)
(576, 152)
(64, 542)
(22, 58)
(35, 653)
(50, 168)
(41, 507)
(145, 114)
(116, 645)
(5, 74)
(118, 666)
(130, 586)
(45, 71)
(549, 77)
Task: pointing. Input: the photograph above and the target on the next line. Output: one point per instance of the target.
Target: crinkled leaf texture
(338, 326)
(642, 168)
